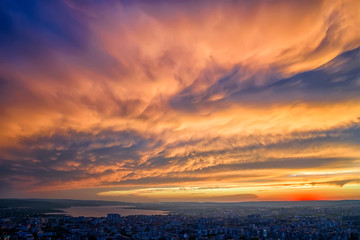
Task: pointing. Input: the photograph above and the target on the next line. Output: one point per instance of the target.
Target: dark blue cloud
(30, 28)
(336, 80)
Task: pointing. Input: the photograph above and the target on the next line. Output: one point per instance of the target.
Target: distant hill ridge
(66, 203)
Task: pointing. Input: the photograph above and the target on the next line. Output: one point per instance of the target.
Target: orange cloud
(184, 95)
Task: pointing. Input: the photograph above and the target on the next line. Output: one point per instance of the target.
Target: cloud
(179, 194)
(337, 80)
(110, 158)
(180, 93)
(339, 183)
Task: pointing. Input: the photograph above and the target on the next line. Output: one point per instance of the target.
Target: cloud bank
(228, 100)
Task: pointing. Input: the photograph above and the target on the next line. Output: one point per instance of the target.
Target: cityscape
(316, 221)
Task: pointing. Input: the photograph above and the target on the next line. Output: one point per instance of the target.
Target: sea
(102, 211)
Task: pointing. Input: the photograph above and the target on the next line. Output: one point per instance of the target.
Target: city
(302, 223)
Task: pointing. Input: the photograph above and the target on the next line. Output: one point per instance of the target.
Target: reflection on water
(102, 211)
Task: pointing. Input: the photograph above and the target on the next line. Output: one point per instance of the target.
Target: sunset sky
(180, 100)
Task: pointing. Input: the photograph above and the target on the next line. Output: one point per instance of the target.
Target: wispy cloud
(104, 95)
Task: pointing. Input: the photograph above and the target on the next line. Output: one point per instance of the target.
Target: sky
(155, 101)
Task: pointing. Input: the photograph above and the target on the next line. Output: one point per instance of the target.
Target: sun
(306, 196)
